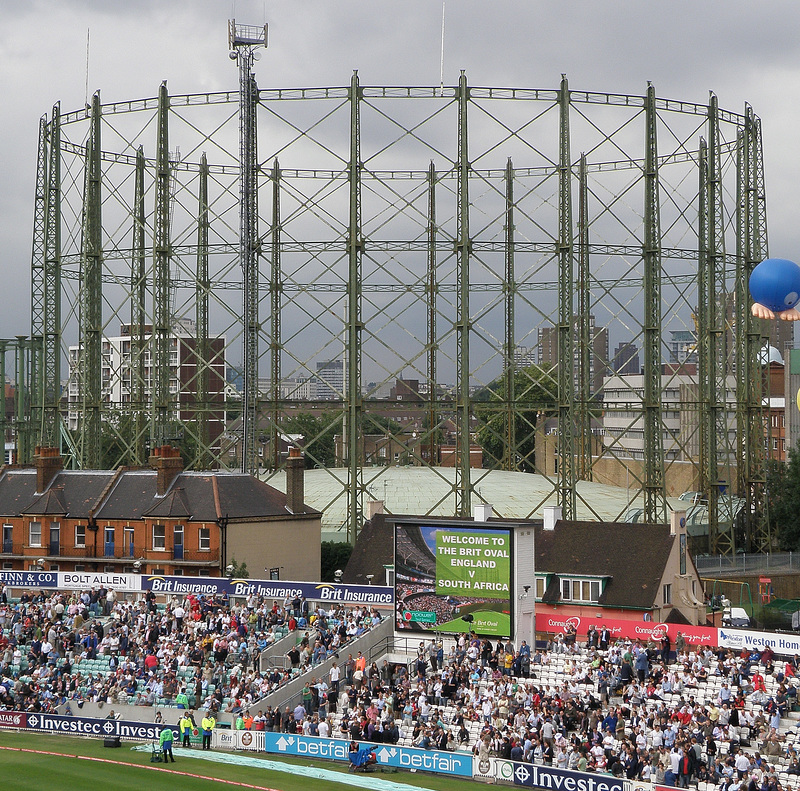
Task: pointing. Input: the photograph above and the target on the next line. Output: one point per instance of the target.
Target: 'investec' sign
(81, 726)
(561, 779)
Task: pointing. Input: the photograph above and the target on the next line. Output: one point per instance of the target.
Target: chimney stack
(374, 507)
(295, 473)
(481, 512)
(677, 523)
(552, 513)
(48, 464)
(167, 462)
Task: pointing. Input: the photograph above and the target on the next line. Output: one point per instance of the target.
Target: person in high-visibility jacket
(185, 726)
(182, 699)
(207, 724)
(165, 741)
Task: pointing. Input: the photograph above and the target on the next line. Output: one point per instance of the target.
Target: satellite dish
(256, 56)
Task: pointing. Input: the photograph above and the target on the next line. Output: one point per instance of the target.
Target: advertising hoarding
(634, 630)
(82, 726)
(751, 640)
(547, 777)
(457, 764)
(372, 595)
(376, 595)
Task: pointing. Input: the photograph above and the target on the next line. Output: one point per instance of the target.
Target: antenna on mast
(86, 93)
(441, 64)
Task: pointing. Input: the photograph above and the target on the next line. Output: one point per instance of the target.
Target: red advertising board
(635, 630)
(13, 719)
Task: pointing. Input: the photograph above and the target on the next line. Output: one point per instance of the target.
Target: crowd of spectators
(641, 710)
(63, 649)
(632, 709)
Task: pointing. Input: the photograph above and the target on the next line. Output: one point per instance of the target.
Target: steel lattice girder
(395, 209)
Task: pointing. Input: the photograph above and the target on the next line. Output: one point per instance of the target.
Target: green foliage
(319, 433)
(535, 397)
(335, 555)
(239, 570)
(783, 494)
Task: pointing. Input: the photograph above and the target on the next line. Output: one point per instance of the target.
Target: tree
(239, 570)
(783, 494)
(318, 433)
(535, 396)
(335, 555)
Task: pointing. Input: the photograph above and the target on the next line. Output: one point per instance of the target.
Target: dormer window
(581, 589)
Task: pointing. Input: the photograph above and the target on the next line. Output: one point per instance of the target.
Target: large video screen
(453, 577)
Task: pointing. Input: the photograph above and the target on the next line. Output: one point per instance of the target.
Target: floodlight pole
(244, 40)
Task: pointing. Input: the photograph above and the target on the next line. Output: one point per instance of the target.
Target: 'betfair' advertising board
(460, 572)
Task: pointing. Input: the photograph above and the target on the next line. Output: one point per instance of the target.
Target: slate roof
(374, 549)
(17, 490)
(632, 556)
(131, 494)
(51, 502)
(172, 505)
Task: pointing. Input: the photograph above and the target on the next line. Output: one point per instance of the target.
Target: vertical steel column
(463, 487)
(38, 261)
(702, 328)
(3, 417)
(431, 294)
(162, 320)
(742, 313)
(756, 423)
(202, 351)
(22, 433)
(722, 539)
(51, 342)
(759, 244)
(510, 451)
(566, 313)
(655, 497)
(583, 419)
(92, 298)
(248, 252)
(138, 315)
(276, 291)
(355, 243)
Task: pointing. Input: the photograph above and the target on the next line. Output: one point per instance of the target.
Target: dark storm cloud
(742, 51)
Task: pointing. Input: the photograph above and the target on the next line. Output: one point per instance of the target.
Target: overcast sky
(742, 51)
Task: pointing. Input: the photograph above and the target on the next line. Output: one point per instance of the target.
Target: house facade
(155, 520)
